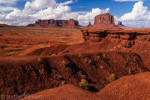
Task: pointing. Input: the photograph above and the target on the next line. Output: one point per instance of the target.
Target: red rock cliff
(124, 37)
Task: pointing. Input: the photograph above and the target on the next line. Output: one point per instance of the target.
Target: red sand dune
(133, 87)
(65, 92)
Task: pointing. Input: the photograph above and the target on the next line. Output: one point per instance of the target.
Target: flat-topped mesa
(126, 38)
(104, 21)
(105, 18)
(56, 23)
(72, 24)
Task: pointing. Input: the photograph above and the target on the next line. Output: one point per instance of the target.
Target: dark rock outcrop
(89, 24)
(56, 23)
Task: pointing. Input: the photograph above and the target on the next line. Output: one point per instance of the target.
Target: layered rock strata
(124, 37)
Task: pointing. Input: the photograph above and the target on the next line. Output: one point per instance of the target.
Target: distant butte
(120, 23)
(104, 28)
(104, 21)
(105, 18)
(3, 25)
(51, 23)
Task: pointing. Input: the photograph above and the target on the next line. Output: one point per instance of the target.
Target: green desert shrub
(41, 71)
(112, 78)
(84, 76)
(130, 71)
(84, 84)
(98, 57)
(64, 63)
(39, 59)
(104, 55)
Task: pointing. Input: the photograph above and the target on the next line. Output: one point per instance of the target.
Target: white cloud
(2, 16)
(116, 20)
(8, 1)
(52, 13)
(47, 9)
(16, 14)
(39, 4)
(127, 0)
(3, 9)
(1, 22)
(37, 9)
(138, 15)
(66, 3)
(89, 17)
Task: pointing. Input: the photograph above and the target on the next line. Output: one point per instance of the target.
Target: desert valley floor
(35, 59)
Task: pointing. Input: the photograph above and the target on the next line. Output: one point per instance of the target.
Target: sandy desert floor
(49, 64)
(16, 39)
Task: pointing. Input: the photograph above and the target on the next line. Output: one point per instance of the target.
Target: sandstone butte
(120, 23)
(105, 28)
(104, 21)
(51, 23)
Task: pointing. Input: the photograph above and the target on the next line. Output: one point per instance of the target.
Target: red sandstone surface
(66, 92)
(134, 87)
(52, 61)
(14, 40)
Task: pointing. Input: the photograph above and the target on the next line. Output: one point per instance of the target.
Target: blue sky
(23, 12)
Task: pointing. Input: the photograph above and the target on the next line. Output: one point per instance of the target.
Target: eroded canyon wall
(124, 37)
